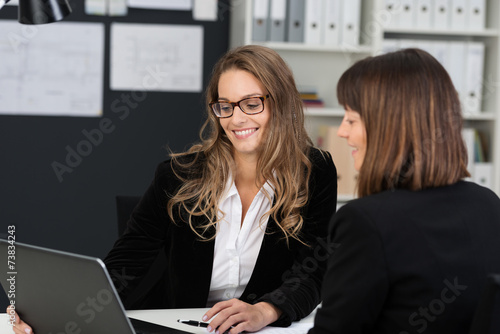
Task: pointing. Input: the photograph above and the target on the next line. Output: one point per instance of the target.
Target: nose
(238, 115)
(343, 131)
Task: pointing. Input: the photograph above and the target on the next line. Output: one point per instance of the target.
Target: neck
(246, 171)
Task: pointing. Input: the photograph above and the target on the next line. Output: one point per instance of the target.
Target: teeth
(243, 133)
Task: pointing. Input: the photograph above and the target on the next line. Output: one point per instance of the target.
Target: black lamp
(41, 11)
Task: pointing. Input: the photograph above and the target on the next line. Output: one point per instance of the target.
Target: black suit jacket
(410, 262)
(287, 276)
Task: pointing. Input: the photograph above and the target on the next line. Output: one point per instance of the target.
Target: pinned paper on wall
(52, 70)
(156, 57)
(96, 7)
(106, 7)
(205, 10)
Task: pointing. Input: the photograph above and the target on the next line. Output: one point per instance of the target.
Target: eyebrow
(244, 97)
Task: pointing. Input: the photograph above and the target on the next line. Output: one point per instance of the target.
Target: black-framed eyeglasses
(250, 106)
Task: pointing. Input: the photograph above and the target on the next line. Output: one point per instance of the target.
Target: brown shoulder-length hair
(283, 160)
(413, 121)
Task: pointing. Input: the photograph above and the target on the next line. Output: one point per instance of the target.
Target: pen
(198, 324)
(193, 323)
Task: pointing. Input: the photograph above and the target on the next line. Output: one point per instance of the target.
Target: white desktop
(169, 318)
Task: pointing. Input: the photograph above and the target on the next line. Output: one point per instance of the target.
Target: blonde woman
(242, 216)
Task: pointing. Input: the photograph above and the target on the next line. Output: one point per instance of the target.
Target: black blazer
(289, 277)
(410, 261)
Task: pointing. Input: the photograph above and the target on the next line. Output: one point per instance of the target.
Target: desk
(169, 318)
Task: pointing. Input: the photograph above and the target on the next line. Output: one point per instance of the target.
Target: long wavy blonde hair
(283, 161)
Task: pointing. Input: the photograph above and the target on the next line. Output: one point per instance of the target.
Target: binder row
(464, 61)
(316, 22)
(458, 15)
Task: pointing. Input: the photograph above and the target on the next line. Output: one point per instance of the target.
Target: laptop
(61, 292)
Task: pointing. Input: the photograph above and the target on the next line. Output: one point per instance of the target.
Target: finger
(238, 313)
(12, 315)
(239, 328)
(19, 326)
(216, 309)
(231, 323)
(22, 328)
(228, 310)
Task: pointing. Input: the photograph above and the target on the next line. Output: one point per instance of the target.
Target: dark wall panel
(78, 214)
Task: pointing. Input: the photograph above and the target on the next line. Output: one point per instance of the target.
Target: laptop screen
(60, 292)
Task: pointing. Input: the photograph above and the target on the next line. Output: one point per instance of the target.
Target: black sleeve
(356, 281)
(300, 292)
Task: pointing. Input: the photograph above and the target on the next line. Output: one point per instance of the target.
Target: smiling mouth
(244, 132)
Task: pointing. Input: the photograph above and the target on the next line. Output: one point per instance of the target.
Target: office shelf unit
(321, 66)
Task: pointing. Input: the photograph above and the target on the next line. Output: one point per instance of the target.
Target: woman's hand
(20, 327)
(236, 316)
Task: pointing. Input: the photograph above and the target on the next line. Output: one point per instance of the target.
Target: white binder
(441, 52)
(393, 8)
(312, 29)
(407, 14)
(296, 17)
(468, 135)
(474, 77)
(441, 14)
(456, 65)
(427, 46)
(458, 12)
(276, 22)
(483, 173)
(476, 14)
(331, 22)
(351, 16)
(423, 17)
(408, 43)
(259, 20)
(390, 45)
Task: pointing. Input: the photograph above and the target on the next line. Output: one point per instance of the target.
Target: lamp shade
(3, 2)
(42, 11)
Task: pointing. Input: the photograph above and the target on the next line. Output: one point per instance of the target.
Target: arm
(356, 283)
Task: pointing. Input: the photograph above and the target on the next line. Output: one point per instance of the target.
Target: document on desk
(156, 57)
(51, 70)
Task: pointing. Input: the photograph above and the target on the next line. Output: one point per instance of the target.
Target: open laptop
(60, 292)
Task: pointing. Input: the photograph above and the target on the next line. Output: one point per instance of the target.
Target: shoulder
(471, 191)
(182, 164)
(321, 161)
(323, 179)
(318, 156)
(390, 207)
(185, 166)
